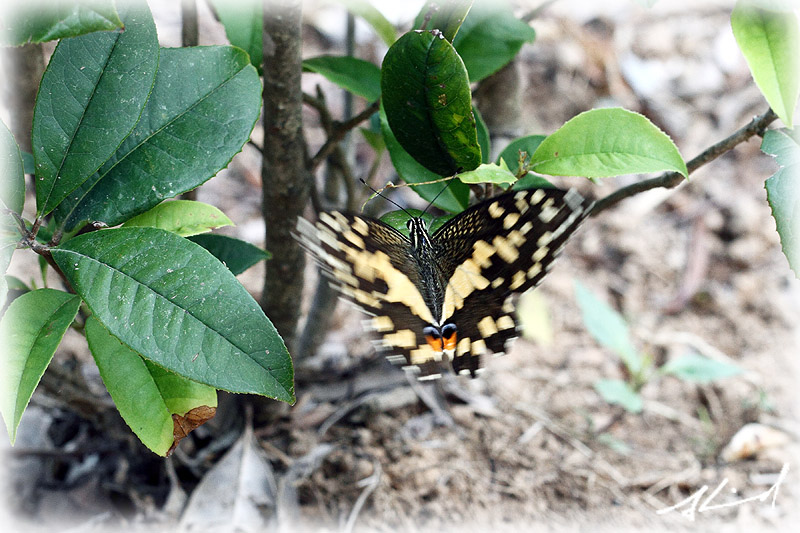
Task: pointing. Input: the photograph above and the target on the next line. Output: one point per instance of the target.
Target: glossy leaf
(770, 41)
(511, 153)
(204, 105)
(364, 9)
(783, 191)
(235, 254)
(697, 368)
(244, 25)
(490, 37)
(31, 329)
(145, 394)
(426, 97)
(618, 392)
(174, 303)
(183, 217)
(360, 77)
(607, 142)
(455, 199)
(12, 179)
(89, 100)
(489, 173)
(443, 15)
(607, 327)
(39, 21)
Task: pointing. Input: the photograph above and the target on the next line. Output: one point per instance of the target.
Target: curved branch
(673, 179)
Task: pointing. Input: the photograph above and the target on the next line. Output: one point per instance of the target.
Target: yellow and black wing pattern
(445, 300)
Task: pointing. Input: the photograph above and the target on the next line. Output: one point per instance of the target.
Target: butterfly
(445, 298)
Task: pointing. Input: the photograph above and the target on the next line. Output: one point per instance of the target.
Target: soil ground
(530, 444)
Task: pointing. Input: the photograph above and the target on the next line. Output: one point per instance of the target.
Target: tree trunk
(285, 180)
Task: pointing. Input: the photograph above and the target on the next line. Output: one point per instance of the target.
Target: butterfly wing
(370, 263)
(492, 250)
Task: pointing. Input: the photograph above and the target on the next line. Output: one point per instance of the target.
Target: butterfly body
(446, 298)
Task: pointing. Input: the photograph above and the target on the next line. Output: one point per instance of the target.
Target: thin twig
(370, 484)
(339, 131)
(673, 179)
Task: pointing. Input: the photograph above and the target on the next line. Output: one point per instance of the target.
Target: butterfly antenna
(438, 195)
(370, 187)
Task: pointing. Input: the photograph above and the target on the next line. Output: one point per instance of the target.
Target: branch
(340, 129)
(673, 179)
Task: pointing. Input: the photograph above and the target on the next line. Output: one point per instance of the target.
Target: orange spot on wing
(434, 342)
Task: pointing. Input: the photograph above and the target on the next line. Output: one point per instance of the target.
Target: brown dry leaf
(183, 425)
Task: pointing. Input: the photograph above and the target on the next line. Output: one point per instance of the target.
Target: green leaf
(488, 173)
(244, 25)
(374, 139)
(490, 37)
(455, 199)
(183, 217)
(38, 22)
(700, 369)
(204, 105)
(31, 330)
(438, 222)
(511, 153)
(770, 41)
(443, 15)
(362, 8)
(235, 254)
(618, 392)
(607, 327)
(89, 100)
(607, 142)
(398, 219)
(428, 104)
(360, 77)
(174, 303)
(28, 166)
(8, 243)
(146, 395)
(783, 191)
(532, 181)
(484, 140)
(12, 179)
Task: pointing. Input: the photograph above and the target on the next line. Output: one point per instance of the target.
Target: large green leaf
(443, 15)
(184, 217)
(174, 303)
(490, 37)
(244, 26)
(455, 199)
(235, 254)
(607, 142)
(204, 105)
(770, 41)
(607, 327)
(89, 100)
(146, 395)
(31, 330)
(783, 191)
(37, 22)
(360, 77)
(425, 94)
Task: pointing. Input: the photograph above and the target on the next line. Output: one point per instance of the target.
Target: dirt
(531, 443)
